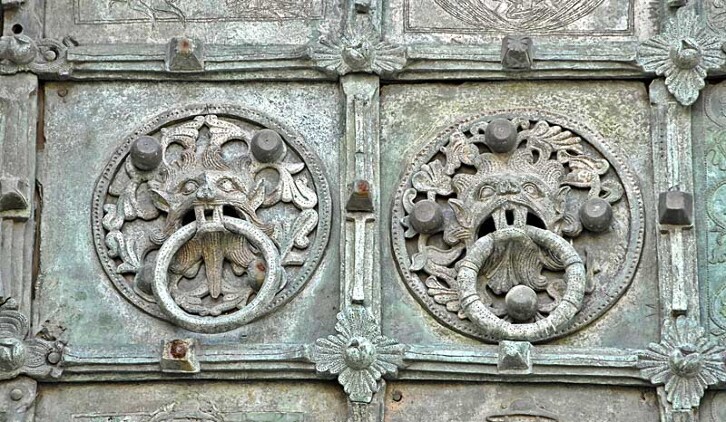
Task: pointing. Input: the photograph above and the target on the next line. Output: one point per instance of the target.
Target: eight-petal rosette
(683, 53)
(686, 362)
(358, 354)
(357, 49)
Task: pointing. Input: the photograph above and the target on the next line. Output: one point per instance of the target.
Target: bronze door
(361, 210)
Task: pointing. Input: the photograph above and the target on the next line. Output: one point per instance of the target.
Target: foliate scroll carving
(359, 355)
(685, 361)
(211, 216)
(684, 52)
(19, 53)
(518, 225)
(21, 353)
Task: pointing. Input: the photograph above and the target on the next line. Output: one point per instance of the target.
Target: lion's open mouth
(209, 217)
(508, 215)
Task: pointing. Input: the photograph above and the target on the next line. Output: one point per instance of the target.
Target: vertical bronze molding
(360, 174)
(18, 116)
(22, 352)
(365, 355)
(677, 274)
(671, 134)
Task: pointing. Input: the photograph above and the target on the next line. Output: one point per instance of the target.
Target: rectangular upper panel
(464, 35)
(530, 17)
(118, 12)
(215, 22)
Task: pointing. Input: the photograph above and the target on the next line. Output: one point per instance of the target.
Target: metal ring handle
(223, 323)
(492, 325)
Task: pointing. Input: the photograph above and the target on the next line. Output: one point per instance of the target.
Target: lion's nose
(508, 188)
(205, 193)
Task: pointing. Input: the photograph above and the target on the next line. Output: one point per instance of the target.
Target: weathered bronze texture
(362, 210)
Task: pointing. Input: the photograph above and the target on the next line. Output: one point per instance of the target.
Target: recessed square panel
(490, 186)
(243, 166)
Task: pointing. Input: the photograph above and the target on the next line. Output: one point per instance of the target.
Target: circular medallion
(227, 203)
(491, 227)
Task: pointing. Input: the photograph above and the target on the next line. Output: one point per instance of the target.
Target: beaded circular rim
(292, 139)
(593, 307)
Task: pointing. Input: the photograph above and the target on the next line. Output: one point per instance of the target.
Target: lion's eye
(486, 191)
(532, 190)
(189, 187)
(226, 185)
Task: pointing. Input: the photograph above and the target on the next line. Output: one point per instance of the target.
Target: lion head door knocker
(211, 216)
(519, 225)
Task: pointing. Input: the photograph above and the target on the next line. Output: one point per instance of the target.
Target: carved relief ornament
(686, 362)
(359, 49)
(684, 53)
(359, 355)
(20, 53)
(517, 225)
(211, 216)
(21, 353)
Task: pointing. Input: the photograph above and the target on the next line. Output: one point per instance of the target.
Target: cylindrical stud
(426, 217)
(16, 394)
(267, 146)
(521, 303)
(146, 153)
(53, 358)
(596, 215)
(501, 135)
